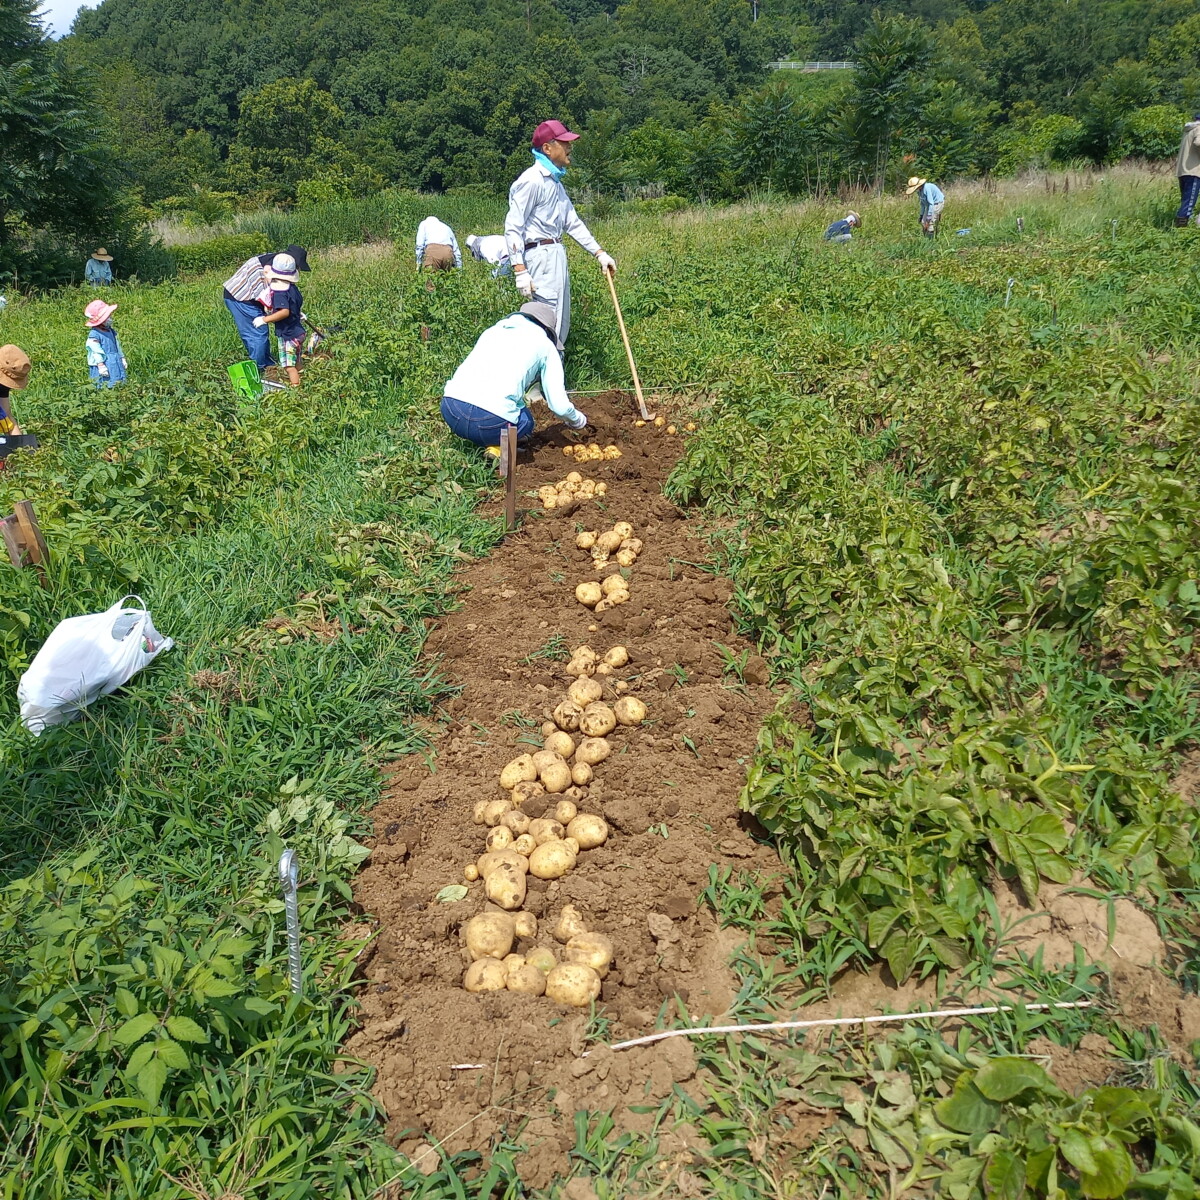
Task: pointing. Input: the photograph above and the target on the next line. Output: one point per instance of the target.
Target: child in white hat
(284, 304)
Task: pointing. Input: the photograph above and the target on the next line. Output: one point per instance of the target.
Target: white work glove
(124, 363)
(580, 422)
(524, 282)
(259, 322)
(606, 262)
(102, 371)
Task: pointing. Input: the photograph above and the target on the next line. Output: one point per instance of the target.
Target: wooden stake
(508, 472)
(24, 541)
(637, 383)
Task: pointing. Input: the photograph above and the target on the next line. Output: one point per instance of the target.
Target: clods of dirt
(669, 792)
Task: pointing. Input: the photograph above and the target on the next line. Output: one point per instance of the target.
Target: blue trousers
(1189, 193)
(256, 340)
(480, 426)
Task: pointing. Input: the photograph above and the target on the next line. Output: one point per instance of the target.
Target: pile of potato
(616, 545)
(592, 452)
(572, 976)
(574, 487)
(661, 423)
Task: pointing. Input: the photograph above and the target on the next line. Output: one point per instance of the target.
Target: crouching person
(519, 355)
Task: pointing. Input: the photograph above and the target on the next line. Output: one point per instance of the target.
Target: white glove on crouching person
(606, 262)
(524, 282)
(259, 322)
(579, 422)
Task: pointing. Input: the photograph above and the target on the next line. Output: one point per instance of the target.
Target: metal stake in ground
(289, 880)
(637, 383)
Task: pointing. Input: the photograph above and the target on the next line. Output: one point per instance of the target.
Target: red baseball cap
(552, 131)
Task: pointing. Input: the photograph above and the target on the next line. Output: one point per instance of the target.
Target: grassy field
(961, 521)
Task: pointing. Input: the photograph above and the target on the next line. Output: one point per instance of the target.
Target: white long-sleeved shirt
(491, 248)
(539, 207)
(432, 232)
(507, 360)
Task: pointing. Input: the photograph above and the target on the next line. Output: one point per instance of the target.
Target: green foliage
(220, 253)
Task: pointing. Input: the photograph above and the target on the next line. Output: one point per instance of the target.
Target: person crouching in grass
(283, 303)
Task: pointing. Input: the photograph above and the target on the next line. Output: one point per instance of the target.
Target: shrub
(219, 252)
(1153, 132)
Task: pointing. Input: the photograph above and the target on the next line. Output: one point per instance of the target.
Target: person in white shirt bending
(437, 247)
(539, 213)
(490, 248)
(517, 359)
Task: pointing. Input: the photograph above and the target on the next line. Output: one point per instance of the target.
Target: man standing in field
(242, 292)
(1187, 168)
(437, 247)
(539, 213)
(932, 201)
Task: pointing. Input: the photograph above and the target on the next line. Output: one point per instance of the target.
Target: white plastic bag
(85, 658)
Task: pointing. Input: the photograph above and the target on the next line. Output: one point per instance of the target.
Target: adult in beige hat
(98, 271)
(932, 202)
(14, 377)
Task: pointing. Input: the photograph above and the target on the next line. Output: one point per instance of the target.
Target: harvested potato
(505, 887)
(621, 597)
(551, 860)
(565, 812)
(579, 666)
(526, 791)
(494, 810)
(597, 720)
(489, 935)
(544, 758)
(613, 583)
(592, 751)
(525, 925)
(520, 770)
(585, 691)
(603, 606)
(570, 922)
(515, 820)
(588, 830)
(500, 837)
(511, 961)
(578, 793)
(573, 477)
(477, 815)
(690, 427)
(671, 429)
(550, 502)
(592, 950)
(560, 743)
(624, 529)
(632, 543)
(587, 489)
(491, 859)
(571, 844)
(611, 452)
(626, 558)
(622, 686)
(659, 422)
(527, 980)
(588, 594)
(487, 975)
(541, 957)
(524, 844)
(610, 542)
(638, 424)
(568, 451)
(545, 491)
(630, 710)
(556, 776)
(567, 714)
(572, 983)
(546, 829)
(602, 488)
(585, 539)
(618, 656)
(603, 670)
(581, 774)
(470, 872)
(547, 728)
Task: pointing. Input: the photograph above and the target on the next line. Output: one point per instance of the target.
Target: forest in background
(207, 107)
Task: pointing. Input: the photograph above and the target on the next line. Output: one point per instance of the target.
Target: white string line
(823, 1023)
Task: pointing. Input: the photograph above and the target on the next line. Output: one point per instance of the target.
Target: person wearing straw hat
(14, 377)
(106, 362)
(242, 295)
(285, 313)
(98, 269)
(539, 213)
(514, 361)
(1187, 170)
(842, 231)
(931, 200)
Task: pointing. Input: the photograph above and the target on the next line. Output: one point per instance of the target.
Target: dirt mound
(669, 792)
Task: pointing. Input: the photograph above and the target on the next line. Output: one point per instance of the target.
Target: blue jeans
(480, 426)
(256, 340)
(1189, 193)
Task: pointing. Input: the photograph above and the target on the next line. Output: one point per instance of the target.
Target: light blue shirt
(930, 195)
(96, 271)
(432, 232)
(507, 360)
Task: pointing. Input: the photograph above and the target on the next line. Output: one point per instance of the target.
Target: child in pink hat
(106, 362)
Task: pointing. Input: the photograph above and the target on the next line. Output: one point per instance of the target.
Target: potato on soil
(556, 776)
(585, 539)
(588, 830)
(550, 502)
(584, 691)
(588, 594)
(603, 670)
(624, 529)
(526, 980)
(616, 598)
(546, 829)
(551, 860)
(578, 793)
(579, 666)
(632, 543)
(560, 743)
(526, 791)
(626, 558)
(690, 427)
(545, 492)
(570, 923)
(470, 872)
(495, 810)
(514, 960)
(489, 935)
(525, 925)
(618, 656)
(659, 422)
(499, 837)
(491, 859)
(611, 452)
(515, 820)
(592, 950)
(597, 720)
(547, 728)
(671, 429)
(572, 983)
(486, 975)
(524, 844)
(505, 887)
(520, 770)
(567, 715)
(541, 957)
(592, 751)
(565, 812)
(602, 488)
(480, 808)
(613, 583)
(581, 774)
(602, 606)
(629, 710)
(609, 542)
(571, 844)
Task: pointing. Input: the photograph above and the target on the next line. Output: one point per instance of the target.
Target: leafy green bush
(1153, 132)
(220, 253)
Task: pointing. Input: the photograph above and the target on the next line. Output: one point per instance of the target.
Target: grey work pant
(547, 265)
